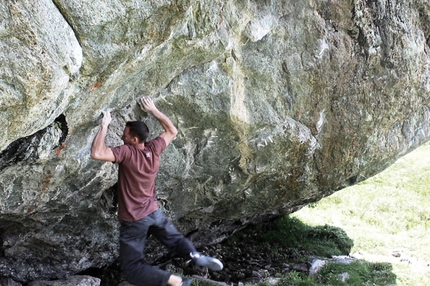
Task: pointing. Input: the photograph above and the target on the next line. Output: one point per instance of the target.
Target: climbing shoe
(202, 261)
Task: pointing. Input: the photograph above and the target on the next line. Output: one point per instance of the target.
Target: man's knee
(143, 274)
(129, 274)
(133, 274)
(129, 267)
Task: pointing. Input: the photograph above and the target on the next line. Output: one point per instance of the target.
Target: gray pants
(132, 244)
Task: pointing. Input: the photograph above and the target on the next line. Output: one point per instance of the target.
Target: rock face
(277, 103)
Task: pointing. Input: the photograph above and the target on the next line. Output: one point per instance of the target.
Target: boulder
(77, 280)
(9, 282)
(278, 104)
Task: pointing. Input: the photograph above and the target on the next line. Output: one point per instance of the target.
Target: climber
(138, 211)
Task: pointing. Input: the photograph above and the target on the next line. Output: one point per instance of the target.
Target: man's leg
(164, 230)
(166, 233)
(132, 244)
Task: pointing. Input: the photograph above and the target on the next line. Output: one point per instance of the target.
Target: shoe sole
(213, 264)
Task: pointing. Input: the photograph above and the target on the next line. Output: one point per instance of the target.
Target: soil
(247, 260)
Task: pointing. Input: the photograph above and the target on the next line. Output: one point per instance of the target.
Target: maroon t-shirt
(136, 178)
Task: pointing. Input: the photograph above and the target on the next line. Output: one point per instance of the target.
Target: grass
(387, 217)
(292, 233)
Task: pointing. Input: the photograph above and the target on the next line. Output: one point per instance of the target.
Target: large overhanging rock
(278, 104)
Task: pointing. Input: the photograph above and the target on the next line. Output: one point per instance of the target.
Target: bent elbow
(94, 155)
(175, 132)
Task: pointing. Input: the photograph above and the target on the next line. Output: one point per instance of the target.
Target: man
(138, 210)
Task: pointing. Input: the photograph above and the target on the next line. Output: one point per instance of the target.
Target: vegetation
(388, 218)
(291, 232)
(383, 222)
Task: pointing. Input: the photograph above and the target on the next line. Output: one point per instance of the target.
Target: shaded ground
(246, 258)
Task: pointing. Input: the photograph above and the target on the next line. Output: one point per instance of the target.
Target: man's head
(135, 132)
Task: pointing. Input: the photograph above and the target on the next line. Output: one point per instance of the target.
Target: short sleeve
(158, 145)
(121, 153)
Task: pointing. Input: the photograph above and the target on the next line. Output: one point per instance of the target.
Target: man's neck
(140, 146)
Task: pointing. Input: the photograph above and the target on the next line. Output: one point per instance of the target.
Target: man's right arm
(170, 130)
(99, 150)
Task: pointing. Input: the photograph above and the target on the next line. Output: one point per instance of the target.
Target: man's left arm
(170, 130)
(99, 150)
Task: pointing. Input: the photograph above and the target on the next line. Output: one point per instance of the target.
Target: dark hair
(138, 129)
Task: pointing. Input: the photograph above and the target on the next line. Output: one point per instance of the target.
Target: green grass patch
(320, 240)
(356, 273)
